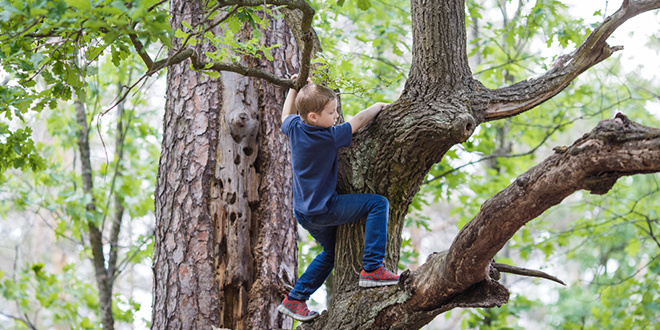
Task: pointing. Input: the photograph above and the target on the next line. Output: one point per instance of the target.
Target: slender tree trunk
(225, 244)
(103, 281)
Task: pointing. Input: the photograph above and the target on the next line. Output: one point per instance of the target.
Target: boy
(318, 208)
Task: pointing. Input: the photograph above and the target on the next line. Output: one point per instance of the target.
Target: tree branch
(525, 272)
(140, 50)
(119, 204)
(517, 98)
(614, 148)
(27, 323)
(308, 38)
(246, 71)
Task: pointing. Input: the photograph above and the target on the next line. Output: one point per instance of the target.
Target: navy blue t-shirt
(314, 158)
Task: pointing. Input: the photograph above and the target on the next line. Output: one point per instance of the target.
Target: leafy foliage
(55, 192)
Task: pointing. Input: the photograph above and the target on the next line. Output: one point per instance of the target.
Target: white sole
(371, 284)
(295, 316)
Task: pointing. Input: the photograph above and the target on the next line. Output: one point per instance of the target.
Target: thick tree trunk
(393, 154)
(225, 243)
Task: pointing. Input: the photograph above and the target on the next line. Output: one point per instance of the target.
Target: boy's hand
(289, 107)
(381, 105)
(309, 81)
(366, 115)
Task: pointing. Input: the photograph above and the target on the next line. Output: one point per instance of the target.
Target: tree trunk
(225, 243)
(103, 282)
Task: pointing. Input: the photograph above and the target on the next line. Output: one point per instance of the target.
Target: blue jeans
(323, 227)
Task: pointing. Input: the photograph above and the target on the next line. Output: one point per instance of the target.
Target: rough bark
(392, 155)
(276, 249)
(186, 292)
(225, 246)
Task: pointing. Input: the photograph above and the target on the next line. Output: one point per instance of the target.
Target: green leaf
(364, 4)
(79, 4)
(633, 247)
(213, 74)
(180, 34)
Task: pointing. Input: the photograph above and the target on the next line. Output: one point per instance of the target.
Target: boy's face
(327, 117)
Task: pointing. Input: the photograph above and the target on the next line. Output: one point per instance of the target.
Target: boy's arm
(365, 116)
(289, 107)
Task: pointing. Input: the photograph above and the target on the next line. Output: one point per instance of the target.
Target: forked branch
(517, 98)
(184, 53)
(461, 277)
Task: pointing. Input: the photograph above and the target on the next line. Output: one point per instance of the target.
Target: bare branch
(517, 98)
(173, 60)
(525, 272)
(26, 322)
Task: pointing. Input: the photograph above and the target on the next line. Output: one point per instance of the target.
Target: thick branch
(517, 98)
(615, 148)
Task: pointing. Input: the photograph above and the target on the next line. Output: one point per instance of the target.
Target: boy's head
(317, 105)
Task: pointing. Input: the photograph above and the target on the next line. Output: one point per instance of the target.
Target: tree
(72, 204)
(225, 237)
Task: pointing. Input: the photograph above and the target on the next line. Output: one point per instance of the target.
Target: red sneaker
(379, 277)
(297, 309)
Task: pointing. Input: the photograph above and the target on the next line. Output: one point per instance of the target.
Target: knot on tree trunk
(241, 124)
(463, 127)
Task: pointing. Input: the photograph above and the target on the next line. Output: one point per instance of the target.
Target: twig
(526, 272)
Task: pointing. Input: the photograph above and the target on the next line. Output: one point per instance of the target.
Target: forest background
(604, 247)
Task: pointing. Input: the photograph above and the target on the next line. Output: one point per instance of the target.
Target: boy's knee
(383, 202)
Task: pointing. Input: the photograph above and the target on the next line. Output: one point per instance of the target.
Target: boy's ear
(312, 116)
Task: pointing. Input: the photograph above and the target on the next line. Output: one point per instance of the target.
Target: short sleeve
(288, 123)
(342, 134)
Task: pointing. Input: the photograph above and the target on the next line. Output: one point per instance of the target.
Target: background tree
(77, 205)
(220, 215)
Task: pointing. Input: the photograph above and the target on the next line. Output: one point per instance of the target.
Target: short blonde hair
(312, 98)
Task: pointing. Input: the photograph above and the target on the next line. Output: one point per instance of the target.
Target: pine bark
(225, 243)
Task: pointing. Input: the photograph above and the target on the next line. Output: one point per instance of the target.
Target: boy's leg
(375, 208)
(321, 267)
(294, 304)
